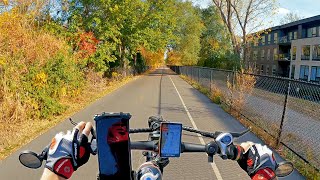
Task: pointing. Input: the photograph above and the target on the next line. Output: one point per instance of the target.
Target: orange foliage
(87, 44)
(20, 39)
(174, 58)
(153, 59)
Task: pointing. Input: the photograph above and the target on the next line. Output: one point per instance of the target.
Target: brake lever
(236, 135)
(93, 131)
(93, 142)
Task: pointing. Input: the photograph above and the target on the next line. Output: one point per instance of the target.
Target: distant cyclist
(70, 151)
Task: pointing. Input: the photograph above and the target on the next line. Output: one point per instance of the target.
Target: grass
(23, 132)
(305, 169)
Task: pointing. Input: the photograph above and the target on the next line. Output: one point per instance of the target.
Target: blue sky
(305, 8)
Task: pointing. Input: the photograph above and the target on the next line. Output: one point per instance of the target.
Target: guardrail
(286, 109)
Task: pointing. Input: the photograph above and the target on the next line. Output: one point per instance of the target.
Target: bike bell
(149, 171)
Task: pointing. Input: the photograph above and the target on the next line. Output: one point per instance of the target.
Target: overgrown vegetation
(51, 52)
(232, 102)
(34, 74)
(239, 86)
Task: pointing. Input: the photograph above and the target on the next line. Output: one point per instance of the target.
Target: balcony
(305, 57)
(284, 40)
(282, 57)
(315, 58)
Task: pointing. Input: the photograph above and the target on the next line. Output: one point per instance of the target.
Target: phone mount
(113, 140)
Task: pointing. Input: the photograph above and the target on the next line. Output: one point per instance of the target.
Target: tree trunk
(123, 65)
(135, 64)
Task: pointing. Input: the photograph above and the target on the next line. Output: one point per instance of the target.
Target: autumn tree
(127, 24)
(290, 17)
(188, 32)
(216, 47)
(242, 17)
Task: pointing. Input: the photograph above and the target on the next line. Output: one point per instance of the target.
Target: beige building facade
(305, 59)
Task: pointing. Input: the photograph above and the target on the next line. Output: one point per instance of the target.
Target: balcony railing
(284, 40)
(315, 58)
(284, 57)
(305, 57)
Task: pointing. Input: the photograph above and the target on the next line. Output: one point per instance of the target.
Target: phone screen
(113, 141)
(170, 140)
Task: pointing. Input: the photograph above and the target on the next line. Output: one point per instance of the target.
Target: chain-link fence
(288, 110)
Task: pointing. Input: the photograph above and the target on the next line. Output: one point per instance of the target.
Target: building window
(304, 72)
(262, 54)
(290, 34)
(275, 38)
(255, 55)
(269, 38)
(263, 40)
(315, 74)
(267, 70)
(275, 54)
(293, 69)
(268, 54)
(262, 69)
(312, 32)
(295, 35)
(274, 70)
(316, 53)
(294, 53)
(305, 53)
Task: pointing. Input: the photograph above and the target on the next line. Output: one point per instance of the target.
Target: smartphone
(113, 141)
(170, 139)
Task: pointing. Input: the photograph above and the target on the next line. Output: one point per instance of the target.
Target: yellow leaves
(215, 45)
(41, 80)
(75, 92)
(32, 103)
(63, 91)
(5, 2)
(2, 61)
(152, 59)
(116, 76)
(116, 7)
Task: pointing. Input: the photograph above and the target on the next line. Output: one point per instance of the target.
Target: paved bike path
(150, 95)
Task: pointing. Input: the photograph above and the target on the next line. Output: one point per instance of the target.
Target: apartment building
(290, 50)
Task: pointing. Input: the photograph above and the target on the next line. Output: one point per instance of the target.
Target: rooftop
(296, 23)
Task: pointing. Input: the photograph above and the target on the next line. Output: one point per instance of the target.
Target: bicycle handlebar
(190, 129)
(152, 146)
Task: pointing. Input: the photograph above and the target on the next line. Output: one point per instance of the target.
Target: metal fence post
(283, 113)
(191, 73)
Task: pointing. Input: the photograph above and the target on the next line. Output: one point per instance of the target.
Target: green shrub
(45, 86)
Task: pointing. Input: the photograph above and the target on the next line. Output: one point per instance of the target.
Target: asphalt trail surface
(159, 93)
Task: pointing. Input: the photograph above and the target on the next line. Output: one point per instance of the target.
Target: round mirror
(30, 159)
(284, 169)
